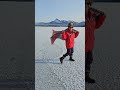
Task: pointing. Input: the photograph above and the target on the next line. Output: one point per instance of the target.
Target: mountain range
(60, 23)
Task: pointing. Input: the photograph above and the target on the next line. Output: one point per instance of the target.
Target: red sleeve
(64, 36)
(76, 34)
(99, 20)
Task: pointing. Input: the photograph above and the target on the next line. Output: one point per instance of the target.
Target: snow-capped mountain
(60, 23)
(56, 21)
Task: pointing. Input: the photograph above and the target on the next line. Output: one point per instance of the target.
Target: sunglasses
(70, 27)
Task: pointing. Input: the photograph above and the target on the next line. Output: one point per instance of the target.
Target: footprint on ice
(49, 51)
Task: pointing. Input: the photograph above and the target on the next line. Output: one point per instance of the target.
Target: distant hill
(60, 23)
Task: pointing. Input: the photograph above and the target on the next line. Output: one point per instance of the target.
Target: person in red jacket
(69, 35)
(93, 20)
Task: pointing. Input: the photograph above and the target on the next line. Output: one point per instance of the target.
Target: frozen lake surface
(50, 74)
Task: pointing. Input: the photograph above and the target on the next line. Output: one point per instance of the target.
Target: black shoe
(71, 59)
(89, 80)
(61, 59)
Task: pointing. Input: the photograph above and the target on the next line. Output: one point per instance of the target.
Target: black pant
(69, 52)
(88, 62)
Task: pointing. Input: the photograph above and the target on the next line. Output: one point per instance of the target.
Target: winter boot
(61, 59)
(71, 59)
(88, 79)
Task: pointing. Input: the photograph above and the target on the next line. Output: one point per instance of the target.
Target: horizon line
(58, 19)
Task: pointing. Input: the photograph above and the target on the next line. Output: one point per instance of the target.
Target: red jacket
(69, 38)
(91, 24)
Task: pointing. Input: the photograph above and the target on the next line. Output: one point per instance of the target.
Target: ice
(50, 74)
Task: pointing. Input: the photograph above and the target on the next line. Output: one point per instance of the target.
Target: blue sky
(49, 10)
